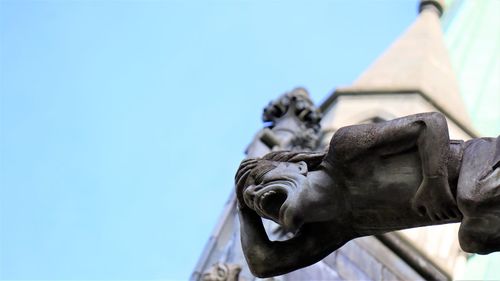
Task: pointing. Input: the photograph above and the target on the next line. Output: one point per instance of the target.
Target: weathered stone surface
(291, 123)
(374, 178)
(223, 272)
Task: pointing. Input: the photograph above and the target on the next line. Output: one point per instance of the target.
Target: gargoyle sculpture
(374, 178)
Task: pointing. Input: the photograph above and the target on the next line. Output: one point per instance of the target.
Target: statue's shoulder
(479, 179)
(350, 141)
(339, 145)
(477, 143)
(480, 153)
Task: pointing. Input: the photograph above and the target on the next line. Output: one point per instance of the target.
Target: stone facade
(406, 79)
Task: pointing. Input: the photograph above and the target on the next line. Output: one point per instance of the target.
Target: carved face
(275, 194)
(222, 272)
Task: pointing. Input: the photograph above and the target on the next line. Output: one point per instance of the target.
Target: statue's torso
(380, 188)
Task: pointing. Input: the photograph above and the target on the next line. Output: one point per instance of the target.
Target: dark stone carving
(295, 114)
(223, 272)
(290, 120)
(374, 178)
(295, 103)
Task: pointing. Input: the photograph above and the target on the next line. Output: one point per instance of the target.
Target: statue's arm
(429, 133)
(270, 258)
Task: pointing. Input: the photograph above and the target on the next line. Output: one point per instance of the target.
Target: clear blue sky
(122, 122)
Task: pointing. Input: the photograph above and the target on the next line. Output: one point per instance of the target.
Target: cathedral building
(415, 74)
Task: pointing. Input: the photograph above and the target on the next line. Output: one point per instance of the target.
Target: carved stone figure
(374, 178)
(223, 272)
(291, 122)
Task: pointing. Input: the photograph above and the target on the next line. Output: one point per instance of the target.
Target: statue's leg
(478, 196)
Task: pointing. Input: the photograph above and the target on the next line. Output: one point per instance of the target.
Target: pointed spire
(417, 62)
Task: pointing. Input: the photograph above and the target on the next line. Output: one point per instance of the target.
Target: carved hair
(312, 159)
(252, 170)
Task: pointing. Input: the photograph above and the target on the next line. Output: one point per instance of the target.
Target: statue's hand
(241, 179)
(434, 199)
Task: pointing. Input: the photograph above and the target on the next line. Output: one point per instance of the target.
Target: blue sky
(122, 122)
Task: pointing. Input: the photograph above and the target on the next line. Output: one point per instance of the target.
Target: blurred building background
(449, 64)
(472, 36)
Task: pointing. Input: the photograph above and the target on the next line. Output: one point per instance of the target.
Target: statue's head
(222, 272)
(271, 185)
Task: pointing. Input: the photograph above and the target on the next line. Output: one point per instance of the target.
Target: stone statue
(223, 272)
(374, 178)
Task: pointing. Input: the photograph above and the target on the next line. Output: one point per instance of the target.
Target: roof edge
(323, 107)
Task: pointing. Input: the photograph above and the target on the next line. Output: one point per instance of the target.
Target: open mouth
(271, 201)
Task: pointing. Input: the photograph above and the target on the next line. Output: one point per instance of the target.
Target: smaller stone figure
(223, 272)
(374, 178)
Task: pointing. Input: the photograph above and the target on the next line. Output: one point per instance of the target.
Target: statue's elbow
(260, 264)
(261, 271)
(436, 119)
